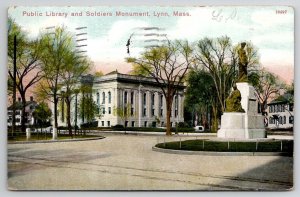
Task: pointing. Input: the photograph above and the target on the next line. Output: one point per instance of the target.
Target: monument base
(242, 126)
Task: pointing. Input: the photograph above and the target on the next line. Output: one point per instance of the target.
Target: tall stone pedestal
(248, 125)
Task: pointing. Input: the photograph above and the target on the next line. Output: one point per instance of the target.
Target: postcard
(150, 98)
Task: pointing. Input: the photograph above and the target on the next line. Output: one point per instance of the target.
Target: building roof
(19, 105)
(134, 79)
(283, 99)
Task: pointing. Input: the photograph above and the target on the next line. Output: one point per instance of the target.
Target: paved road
(126, 162)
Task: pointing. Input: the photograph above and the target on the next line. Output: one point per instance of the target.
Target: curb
(53, 141)
(211, 153)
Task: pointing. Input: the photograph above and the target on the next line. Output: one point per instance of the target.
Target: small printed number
(281, 11)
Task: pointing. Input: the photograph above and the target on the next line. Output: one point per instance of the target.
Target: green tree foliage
(123, 112)
(98, 74)
(89, 109)
(42, 114)
(167, 64)
(62, 66)
(201, 97)
(141, 70)
(28, 71)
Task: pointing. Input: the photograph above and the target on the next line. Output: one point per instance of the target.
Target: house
(142, 95)
(281, 113)
(29, 109)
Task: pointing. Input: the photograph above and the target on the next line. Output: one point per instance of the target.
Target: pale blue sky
(271, 32)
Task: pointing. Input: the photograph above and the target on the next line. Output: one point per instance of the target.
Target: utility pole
(14, 86)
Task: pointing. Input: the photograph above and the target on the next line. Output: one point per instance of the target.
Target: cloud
(112, 46)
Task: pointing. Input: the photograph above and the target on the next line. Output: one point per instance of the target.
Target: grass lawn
(208, 145)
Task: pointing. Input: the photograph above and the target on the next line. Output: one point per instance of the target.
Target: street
(127, 162)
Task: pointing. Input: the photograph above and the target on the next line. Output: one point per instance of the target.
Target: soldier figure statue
(243, 62)
(233, 102)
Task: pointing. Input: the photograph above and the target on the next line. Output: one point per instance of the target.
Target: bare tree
(28, 71)
(167, 64)
(266, 85)
(220, 58)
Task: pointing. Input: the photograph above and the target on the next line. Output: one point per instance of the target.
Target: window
(125, 111)
(103, 97)
(125, 97)
(270, 120)
(152, 99)
(152, 111)
(145, 124)
(102, 123)
(108, 123)
(145, 99)
(161, 112)
(144, 111)
(103, 110)
(291, 107)
(132, 123)
(98, 98)
(152, 104)
(109, 110)
(131, 98)
(291, 119)
(109, 97)
(126, 123)
(132, 111)
(153, 124)
(284, 120)
(280, 120)
(283, 107)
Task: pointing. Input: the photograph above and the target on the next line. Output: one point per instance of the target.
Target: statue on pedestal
(243, 62)
(233, 102)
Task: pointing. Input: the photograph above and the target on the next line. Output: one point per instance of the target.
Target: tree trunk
(23, 116)
(68, 102)
(169, 101)
(55, 111)
(214, 127)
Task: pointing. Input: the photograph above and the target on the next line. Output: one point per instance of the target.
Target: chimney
(31, 98)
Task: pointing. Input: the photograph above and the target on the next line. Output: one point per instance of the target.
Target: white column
(54, 134)
(140, 105)
(28, 134)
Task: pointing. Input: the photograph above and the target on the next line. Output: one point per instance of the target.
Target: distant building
(29, 109)
(281, 113)
(142, 94)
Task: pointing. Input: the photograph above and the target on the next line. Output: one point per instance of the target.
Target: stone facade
(142, 95)
(248, 125)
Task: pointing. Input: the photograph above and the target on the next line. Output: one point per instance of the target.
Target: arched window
(280, 120)
(103, 97)
(109, 97)
(98, 98)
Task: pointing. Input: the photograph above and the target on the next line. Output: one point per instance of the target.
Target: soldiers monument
(241, 119)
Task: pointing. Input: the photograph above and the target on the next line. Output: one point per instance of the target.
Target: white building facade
(280, 115)
(141, 97)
